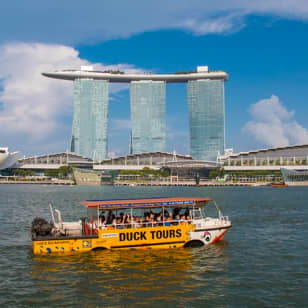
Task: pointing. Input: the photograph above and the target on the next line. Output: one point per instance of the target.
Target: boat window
(92, 214)
(209, 210)
(196, 213)
(184, 212)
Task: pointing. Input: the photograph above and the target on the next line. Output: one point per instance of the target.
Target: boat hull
(160, 237)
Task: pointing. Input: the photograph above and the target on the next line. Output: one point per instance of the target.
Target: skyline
(261, 47)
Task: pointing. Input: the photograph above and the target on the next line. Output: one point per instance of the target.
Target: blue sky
(262, 46)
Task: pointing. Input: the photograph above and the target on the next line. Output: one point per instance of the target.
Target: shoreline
(62, 182)
(71, 183)
(158, 184)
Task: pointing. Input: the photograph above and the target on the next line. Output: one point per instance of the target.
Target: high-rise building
(148, 116)
(206, 118)
(148, 110)
(90, 121)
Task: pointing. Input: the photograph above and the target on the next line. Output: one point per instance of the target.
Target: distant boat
(7, 159)
(279, 185)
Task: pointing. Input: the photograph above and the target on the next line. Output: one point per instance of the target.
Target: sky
(263, 45)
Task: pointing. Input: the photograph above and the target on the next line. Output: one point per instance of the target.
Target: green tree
(23, 172)
(51, 173)
(64, 171)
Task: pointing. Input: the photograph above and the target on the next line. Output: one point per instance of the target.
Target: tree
(52, 173)
(23, 172)
(64, 171)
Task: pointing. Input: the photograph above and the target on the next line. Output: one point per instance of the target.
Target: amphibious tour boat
(138, 224)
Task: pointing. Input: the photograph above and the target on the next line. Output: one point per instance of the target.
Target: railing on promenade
(267, 161)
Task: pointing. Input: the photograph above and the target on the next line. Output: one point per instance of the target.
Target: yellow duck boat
(137, 223)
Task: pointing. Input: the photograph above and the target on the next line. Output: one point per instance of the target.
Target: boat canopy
(144, 203)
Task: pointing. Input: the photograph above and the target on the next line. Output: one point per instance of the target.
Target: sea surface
(262, 262)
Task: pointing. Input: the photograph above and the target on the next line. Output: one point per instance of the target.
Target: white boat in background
(7, 159)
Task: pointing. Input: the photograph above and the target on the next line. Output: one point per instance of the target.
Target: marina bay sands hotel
(205, 96)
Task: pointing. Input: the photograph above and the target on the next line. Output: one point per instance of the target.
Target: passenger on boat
(159, 220)
(186, 213)
(110, 218)
(137, 223)
(102, 218)
(176, 212)
(146, 221)
(183, 220)
(127, 219)
(114, 222)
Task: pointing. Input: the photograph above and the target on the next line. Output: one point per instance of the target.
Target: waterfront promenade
(34, 180)
(179, 183)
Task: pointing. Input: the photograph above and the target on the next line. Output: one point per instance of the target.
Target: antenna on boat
(59, 218)
(51, 213)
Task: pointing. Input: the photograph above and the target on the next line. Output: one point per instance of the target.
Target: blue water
(262, 262)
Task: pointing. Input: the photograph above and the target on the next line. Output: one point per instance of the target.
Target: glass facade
(206, 118)
(90, 120)
(292, 176)
(148, 116)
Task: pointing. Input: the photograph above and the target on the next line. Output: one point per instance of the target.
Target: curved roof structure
(7, 159)
(128, 77)
(298, 150)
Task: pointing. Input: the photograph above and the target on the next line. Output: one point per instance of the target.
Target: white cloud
(34, 109)
(222, 24)
(73, 21)
(274, 125)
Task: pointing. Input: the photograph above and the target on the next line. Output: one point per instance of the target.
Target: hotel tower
(206, 107)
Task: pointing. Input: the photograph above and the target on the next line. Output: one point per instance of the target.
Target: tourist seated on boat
(149, 219)
(168, 220)
(186, 213)
(133, 222)
(177, 219)
(110, 218)
(102, 219)
(146, 221)
(159, 220)
(127, 220)
(184, 220)
(137, 222)
(175, 212)
(120, 223)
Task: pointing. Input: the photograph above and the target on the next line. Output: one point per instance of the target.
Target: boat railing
(209, 221)
(150, 224)
(224, 219)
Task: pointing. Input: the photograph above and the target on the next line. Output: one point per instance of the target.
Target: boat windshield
(210, 210)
